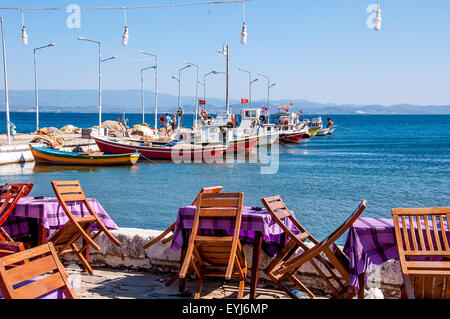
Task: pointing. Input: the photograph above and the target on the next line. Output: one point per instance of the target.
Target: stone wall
(161, 259)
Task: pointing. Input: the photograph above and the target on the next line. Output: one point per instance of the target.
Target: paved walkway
(126, 284)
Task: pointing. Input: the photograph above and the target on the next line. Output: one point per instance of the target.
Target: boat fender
(262, 119)
(233, 119)
(183, 137)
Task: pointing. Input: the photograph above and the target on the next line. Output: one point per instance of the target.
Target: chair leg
(82, 259)
(199, 288)
(241, 289)
(302, 286)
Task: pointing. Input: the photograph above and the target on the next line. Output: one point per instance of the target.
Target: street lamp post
(268, 90)
(179, 89)
(142, 90)
(204, 81)
(156, 85)
(6, 83)
(226, 52)
(196, 92)
(250, 82)
(36, 82)
(99, 79)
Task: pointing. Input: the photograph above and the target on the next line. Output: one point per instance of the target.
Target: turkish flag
(244, 101)
(202, 102)
(264, 108)
(291, 103)
(301, 112)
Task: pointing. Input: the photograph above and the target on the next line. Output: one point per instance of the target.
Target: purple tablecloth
(252, 221)
(50, 214)
(371, 241)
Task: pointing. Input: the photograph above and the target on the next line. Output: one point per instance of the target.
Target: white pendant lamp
(244, 27)
(24, 32)
(377, 20)
(125, 32)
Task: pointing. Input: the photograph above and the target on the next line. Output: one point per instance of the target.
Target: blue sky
(320, 50)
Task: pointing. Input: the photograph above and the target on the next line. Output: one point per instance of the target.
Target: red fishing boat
(169, 151)
(290, 128)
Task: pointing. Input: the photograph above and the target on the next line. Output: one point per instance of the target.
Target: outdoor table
(49, 215)
(257, 228)
(370, 241)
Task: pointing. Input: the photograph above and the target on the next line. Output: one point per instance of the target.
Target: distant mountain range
(115, 101)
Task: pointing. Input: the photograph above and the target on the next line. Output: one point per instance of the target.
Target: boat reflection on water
(76, 168)
(17, 169)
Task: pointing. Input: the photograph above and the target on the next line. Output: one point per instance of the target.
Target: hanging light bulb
(125, 37)
(24, 32)
(24, 36)
(244, 34)
(377, 20)
(244, 27)
(125, 32)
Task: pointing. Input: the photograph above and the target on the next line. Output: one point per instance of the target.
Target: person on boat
(168, 120)
(330, 122)
(174, 122)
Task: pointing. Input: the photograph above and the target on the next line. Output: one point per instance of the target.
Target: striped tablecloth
(49, 214)
(252, 221)
(370, 241)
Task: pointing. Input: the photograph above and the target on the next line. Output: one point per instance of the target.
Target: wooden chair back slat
(44, 261)
(284, 265)
(71, 191)
(424, 278)
(216, 255)
(207, 190)
(11, 195)
(327, 247)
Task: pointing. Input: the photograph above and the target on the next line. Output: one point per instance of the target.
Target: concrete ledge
(161, 259)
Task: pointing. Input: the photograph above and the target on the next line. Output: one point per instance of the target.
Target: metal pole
(250, 88)
(142, 96)
(6, 83)
(156, 93)
(196, 100)
(179, 88)
(228, 79)
(99, 89)
(36, 91)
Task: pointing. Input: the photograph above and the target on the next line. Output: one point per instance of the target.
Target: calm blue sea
(390, 160)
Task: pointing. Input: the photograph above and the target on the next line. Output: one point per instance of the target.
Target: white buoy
(244, 34)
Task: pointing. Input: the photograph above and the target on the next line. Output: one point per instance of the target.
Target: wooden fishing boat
(169, 151)
(44, 155)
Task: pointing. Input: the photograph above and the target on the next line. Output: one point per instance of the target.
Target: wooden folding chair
(424, 253)
(325, 252)
(216, 256)
(77, 227)
(10, 195)
(213, 189)
(15, 187)
(43, 273)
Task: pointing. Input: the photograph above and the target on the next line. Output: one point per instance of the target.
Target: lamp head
(24, 36)
(81, 38)
(52, 44)
(125, 37)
